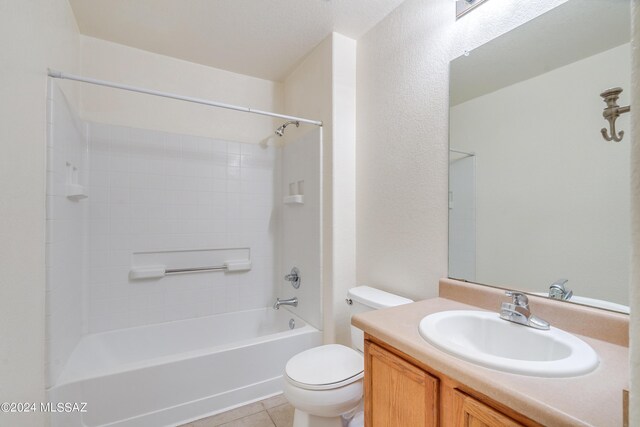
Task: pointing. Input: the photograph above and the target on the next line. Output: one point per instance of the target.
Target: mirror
(536, 195)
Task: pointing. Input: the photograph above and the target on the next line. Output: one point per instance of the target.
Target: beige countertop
(594, 399)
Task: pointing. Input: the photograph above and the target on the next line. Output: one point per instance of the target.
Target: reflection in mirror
(538, 200)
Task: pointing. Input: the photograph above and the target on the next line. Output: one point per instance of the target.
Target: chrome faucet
(293, 277)
(517, 311)
(291, 301)
(557, 290)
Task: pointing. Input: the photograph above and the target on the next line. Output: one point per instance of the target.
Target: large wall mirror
(537, 197)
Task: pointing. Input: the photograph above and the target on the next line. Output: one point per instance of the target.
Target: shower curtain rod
(462, 152)
(60, 75)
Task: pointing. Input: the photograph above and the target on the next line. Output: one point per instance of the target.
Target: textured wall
(635, 217)
(123, 64)
(307, 93)
(34, 35)
(322, 87)
(343, 162)
(402, 128)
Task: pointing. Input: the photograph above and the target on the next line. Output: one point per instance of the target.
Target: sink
(483, 338)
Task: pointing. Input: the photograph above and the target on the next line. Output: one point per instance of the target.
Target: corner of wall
(634, 285)
(322, 87)
(344, 180)
(35, 35)
(307, 93)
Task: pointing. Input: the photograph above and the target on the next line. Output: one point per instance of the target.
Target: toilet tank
(366, 298)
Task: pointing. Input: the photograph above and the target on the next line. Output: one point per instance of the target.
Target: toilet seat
(328, 386)
(324, 368)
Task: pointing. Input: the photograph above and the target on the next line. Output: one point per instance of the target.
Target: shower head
(280, 130)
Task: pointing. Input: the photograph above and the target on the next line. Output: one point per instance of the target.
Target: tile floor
(272, 412)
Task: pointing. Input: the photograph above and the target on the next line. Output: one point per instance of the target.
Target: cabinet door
(396, 392)
(470, 412)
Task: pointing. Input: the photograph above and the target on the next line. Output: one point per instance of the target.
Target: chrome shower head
(280, 130)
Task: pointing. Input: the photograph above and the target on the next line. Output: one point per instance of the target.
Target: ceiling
(261, 38)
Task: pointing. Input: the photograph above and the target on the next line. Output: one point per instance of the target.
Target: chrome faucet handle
(518, 299)
(509, 311)
(518, 311)
(557, 290)
(293, 277)
(559, 283)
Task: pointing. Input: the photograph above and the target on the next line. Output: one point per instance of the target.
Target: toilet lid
(325, 365)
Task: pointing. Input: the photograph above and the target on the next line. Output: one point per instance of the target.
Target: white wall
(123, 64)
(343, 161)
(634, 404)
(301, 225)
(154, 191)
(322, 87)
(552, 195)
(66, 243)
(402, 127)
(402, 154)
(307, 93)
(34, 35)
(462, 216)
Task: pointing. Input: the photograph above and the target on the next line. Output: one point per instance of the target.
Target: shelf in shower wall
(76, 192)
(297, 199)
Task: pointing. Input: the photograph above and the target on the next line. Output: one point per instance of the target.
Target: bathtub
(172, 373)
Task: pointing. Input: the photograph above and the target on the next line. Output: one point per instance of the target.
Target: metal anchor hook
(612, 112)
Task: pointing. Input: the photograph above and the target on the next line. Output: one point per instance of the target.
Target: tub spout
(291, 301)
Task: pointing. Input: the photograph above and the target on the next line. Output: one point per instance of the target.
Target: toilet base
(304, 419)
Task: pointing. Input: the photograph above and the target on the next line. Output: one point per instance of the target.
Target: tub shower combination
(171, 373)
(162, 329)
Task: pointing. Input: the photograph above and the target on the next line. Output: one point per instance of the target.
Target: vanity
(538, 208)
(538, 204)
(410, 382)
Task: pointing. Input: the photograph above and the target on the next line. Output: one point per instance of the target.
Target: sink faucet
(517, 311)
(291, 301)
(557, 290)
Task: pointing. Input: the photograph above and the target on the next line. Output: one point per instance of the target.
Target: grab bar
(194, 269)
(159, 271)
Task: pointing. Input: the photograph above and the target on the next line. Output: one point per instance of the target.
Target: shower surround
(174, 195)
(154, 191)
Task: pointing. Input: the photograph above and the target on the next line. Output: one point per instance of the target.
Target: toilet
(324, 384)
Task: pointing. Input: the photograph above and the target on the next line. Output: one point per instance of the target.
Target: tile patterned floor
(272, 412)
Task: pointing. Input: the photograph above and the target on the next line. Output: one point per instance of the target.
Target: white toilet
(324, 384)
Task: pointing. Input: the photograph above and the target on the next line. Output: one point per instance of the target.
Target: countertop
(594, 399)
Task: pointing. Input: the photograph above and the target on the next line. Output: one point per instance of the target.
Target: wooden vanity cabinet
(402, 392)
(397, 393)
(469, 412)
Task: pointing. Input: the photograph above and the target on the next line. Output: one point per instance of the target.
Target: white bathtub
(171, 373)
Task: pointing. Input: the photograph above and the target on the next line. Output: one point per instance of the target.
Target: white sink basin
(482, 337)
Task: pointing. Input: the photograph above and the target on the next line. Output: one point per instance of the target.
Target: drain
(292, 323)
